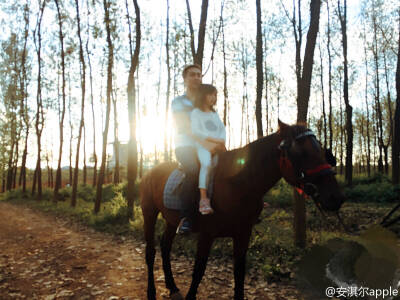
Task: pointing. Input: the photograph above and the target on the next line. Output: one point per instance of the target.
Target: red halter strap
(318, 169)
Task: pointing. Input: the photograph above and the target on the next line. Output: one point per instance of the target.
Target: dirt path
(44, 257)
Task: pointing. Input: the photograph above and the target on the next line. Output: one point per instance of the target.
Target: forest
(70, 70)
(87, 86)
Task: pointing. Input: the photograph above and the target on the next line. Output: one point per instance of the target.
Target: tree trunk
(349, 108)
(84, 156)
(61, 123)
(267, 119)
(83, 88)
(39, 113)
(390, 115)
(396, 131)
(166, 156)
(225, 72)
(99, 189)
(377, 97)
(259, 66)
(10, 160)
(22, 175)
(92, 103)
(71, 127)
(132, 146)
(368, 142)
(48, 171)
(24, 82)
(303, 97)
(305, 83)
(139, 124)
(116, 142)
(323, 99)
(198, 54)
(329, 78)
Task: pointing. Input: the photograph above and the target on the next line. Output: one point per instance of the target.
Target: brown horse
(242, 177)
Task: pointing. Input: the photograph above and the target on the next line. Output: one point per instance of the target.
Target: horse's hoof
(176, 296)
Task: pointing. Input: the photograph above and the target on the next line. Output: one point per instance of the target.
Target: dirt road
(44, 257)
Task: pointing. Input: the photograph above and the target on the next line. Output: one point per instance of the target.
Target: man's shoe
(184, 227)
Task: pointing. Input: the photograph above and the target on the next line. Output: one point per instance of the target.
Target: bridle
(303, 180)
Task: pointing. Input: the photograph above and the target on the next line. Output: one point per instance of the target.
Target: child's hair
(201, 93)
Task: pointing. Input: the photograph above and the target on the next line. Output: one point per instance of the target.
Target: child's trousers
(207, 162)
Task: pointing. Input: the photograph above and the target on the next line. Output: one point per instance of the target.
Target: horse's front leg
(240, 245)
(166, 244)
(204, 243)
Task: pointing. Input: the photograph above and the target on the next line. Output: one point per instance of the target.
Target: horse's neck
(255, 166)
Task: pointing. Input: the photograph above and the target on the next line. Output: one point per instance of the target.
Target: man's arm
(217, 141)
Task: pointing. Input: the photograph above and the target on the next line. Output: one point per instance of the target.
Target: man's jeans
(187, 156)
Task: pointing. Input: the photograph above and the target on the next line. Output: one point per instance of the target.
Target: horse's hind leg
(166, 244)
(204, 243)
(150, 218)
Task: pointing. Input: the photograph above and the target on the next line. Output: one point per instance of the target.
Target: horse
(241, 179)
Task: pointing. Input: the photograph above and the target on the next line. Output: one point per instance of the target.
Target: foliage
(86, 192)
(281, 195)
(377, 188)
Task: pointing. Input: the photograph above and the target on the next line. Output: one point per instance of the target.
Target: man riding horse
(185, 149)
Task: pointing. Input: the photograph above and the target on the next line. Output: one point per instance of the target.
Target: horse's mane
(241, 165)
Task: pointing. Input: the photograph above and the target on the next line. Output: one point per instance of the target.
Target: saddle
(173, 189)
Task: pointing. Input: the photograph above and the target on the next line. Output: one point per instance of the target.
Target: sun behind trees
(58, 57)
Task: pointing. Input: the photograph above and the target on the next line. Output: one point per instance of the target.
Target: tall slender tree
(396, 131)
(62, 112)
(328, 46)
(325, 131)
(303, 76)
(259, 67)
(39, 122)
(25, 113)
(94, 155)
(110, 47)
(166, 151)
(389, 112)
(342, 12)
(225, 71)
(132, 146)
(83, 92)
(367, 123)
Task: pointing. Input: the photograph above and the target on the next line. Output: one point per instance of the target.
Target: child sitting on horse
(208, 127)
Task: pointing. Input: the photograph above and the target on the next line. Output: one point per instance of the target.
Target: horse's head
(305, 165)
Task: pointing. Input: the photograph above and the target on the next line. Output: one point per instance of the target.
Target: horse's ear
(283, 127)
(330, 158)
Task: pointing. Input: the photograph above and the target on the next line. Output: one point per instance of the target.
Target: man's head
(192, 77)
